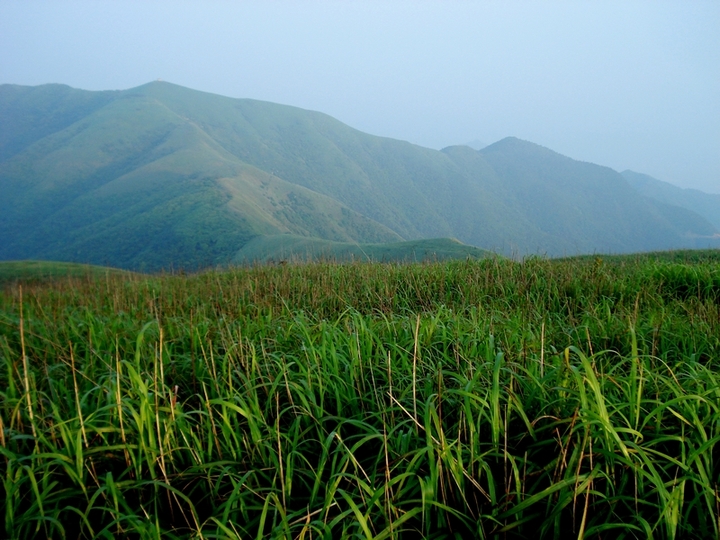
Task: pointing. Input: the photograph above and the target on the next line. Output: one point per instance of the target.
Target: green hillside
(290, 248)
(583, 207)
(161, 176)
(135, 185)
(31, 113)
(705, 204)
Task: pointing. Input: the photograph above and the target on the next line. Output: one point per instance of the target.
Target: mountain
(582, 207)
(132, 183)
(705, 204)
(161, 175)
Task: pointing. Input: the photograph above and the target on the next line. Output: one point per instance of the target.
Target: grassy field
(490, 399)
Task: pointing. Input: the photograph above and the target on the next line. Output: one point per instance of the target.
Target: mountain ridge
(705, 204)
(162, 175)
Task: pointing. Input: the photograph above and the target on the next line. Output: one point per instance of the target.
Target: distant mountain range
(705, 204)
(163, 176)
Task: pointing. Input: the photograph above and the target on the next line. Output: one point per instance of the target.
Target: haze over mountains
(705, 204)
(161, 175)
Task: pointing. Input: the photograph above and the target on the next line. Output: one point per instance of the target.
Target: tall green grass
(489, 399)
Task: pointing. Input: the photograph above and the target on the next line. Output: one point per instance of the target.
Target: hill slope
(161, 175)
(133, 184)
(283, 248)
(583, 207)
(705, 204)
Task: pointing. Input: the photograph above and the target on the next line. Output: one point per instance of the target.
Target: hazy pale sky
(627, 84)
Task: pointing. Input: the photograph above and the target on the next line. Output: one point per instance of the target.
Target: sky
(626, 84)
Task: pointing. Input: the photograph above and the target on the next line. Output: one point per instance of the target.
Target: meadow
(575, 398)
